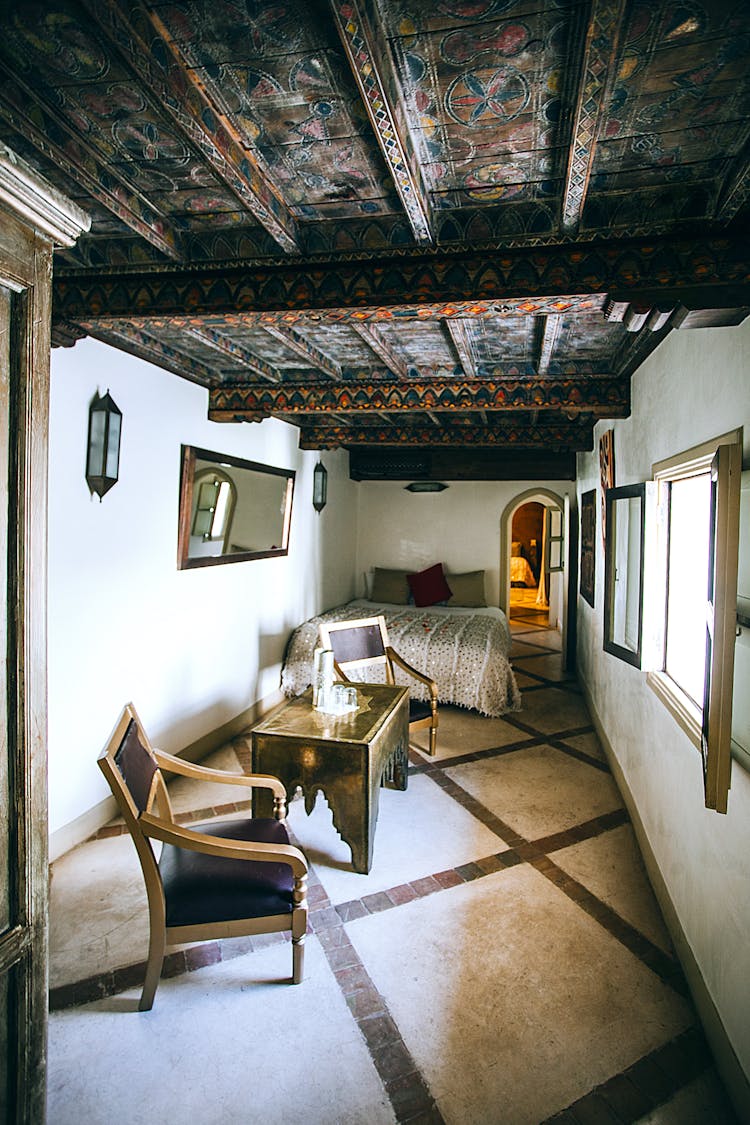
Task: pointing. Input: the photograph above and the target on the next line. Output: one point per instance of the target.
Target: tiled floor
(504, 961)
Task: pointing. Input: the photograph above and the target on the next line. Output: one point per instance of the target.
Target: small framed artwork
(588, 545)
(606, 471)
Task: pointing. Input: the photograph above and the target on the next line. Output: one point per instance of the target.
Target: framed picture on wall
(588, 545)
(606, 471)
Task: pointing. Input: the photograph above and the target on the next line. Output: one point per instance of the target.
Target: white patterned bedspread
(464, 650)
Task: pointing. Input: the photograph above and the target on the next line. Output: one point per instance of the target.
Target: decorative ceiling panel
(457, 224)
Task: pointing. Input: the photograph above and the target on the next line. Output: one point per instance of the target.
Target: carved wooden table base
(345, 757)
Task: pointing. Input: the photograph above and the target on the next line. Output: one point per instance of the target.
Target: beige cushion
(390, 586)
(468, 589)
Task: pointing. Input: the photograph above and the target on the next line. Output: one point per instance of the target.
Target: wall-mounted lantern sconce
(320, 487)
(425, 486)
(103, 453)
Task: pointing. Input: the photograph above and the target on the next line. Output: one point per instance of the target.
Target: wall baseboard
(734, 1077)
(63, 839)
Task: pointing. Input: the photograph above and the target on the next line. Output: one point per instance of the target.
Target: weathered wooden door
(31, 216)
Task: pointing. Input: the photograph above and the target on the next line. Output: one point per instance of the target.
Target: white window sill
(683, 709)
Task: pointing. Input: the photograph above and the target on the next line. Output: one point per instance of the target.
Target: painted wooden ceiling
(439, 224)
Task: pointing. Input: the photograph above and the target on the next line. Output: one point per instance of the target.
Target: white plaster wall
(192, 649)
(695, 386)
(459, 527)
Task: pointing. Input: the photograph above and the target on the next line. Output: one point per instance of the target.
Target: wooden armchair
(232, 878)
(357, 644)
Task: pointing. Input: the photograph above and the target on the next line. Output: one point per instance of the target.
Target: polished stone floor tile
(464, 732)
(588, 744)
(419, 831)
(515, 787)
(505, 977)
(611, 867)
(101, 883)
(553, 710)
(227, 1043)
(542, 664)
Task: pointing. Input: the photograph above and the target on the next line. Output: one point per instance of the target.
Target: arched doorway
(530, 511)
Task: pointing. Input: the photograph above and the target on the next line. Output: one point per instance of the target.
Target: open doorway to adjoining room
(534, 560)
(528, 582)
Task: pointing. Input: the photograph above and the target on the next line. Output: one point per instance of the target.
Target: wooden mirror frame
(625, 492)
(190, 455)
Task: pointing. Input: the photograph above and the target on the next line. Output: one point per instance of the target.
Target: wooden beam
(550, 335)
(564, 279)
(382, 349)
(206, 125)
(366, 51)
(38, 122)
(312, 356)
(597, 71)
(237, 355)
(519, 434)
(459, 334)
(600, 397)
(129, 338)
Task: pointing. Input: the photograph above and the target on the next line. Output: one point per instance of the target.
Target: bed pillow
(429, 586)
(468, 589)
(389, 586)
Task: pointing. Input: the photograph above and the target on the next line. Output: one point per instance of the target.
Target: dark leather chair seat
(207, 888)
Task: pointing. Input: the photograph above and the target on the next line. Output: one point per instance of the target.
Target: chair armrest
(205, 773)
(427, 680)
(170, 833)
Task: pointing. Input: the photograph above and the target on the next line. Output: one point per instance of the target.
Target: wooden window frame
(708, 727)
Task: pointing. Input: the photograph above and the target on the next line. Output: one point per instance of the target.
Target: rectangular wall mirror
(623, 572)
(231, 510)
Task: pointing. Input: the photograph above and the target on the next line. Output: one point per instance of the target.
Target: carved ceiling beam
(459, 334)
(302, 347)
(550, 335)
(366, 51)
(38, 123)
(235, 354)
(517, 282)
(382, 349)
(601, 397)
(597, 70)
(560, 436)
(129, 338)
(202, 122)
(736, 194)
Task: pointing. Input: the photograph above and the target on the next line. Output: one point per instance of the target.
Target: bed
(521, 573)
(465, 650)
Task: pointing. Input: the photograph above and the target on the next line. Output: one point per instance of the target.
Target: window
(698, 505)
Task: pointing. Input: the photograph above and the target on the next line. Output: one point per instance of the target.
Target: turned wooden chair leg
(156, 948)
(298, 959)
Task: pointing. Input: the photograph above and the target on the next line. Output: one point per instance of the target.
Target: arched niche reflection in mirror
(231, 510)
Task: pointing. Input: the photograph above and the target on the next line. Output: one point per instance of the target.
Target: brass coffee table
(345, 757)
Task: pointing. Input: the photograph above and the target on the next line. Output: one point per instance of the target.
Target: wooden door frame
(35, 218)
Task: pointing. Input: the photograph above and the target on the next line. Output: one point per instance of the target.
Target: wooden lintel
(602, 397)
(564, 279)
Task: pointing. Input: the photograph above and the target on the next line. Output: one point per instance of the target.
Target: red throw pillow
(429, 586)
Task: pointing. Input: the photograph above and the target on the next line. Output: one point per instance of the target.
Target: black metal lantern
(320, 487)
(103, 452)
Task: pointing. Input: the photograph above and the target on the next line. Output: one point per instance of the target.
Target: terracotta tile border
(407, 1090)
(644, 1086)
